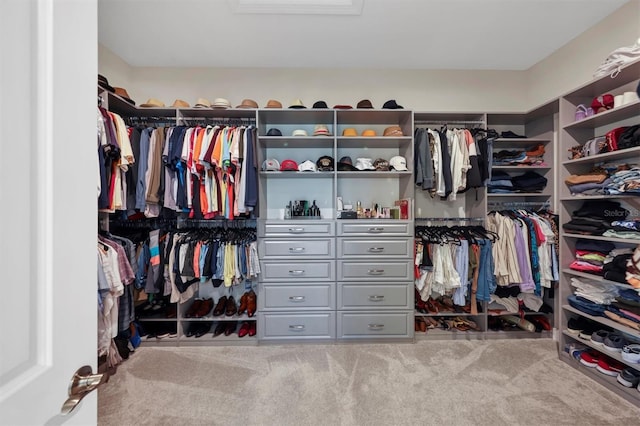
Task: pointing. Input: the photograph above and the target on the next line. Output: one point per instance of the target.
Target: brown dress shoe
(205, 308)
(219, 309)
(251, 303)
(195, 306)
(231, 328)
(243, 304)
(231, 308)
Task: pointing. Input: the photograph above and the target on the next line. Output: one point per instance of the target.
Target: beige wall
(420, 90)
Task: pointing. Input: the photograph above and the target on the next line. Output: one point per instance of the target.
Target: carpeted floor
(427, 383)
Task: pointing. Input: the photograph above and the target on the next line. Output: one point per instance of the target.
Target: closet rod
(450, 219)
(518, 203)
(419, 122)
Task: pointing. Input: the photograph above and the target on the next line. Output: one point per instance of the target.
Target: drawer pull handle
(375, 249)
(296, 230)
(376, 229)
(376, 298)
(296, 298)
(376, 326)
(375, 271)
(296, 249)
(298, 327)
(297, 272)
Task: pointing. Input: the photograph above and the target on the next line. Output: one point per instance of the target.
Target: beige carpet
(426, 383)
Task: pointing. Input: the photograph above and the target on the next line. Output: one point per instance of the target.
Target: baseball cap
(381, 165)
(393, 131)
(321, 130)
(297, 104)
(346, 165)
(398, 163)
(369, 132)
(274, 132)
(320, 104)
(307, 166)
(391, 104)
(602, 103)
(299, 132)
(349, 131)
(288, 165)
(364, 164)
(325, 163)
(365, 103)
(271, 164)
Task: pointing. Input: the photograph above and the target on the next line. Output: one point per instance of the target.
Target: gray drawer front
(295, 228)
(374, 271)
(297, 271)
(295, 297)
(374, 228)
(302, 248)
(321, 325)
(366, 296)
(370, 325)
(360, 247)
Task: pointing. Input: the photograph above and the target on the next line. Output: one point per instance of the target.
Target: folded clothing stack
(625, 182)
(595, 217)
(624, 229)
(503, 183)
(519, 157)
(500, 183)
(615, 265)
(632, 273)
(590, 256)
(596, 292)
(593, 183)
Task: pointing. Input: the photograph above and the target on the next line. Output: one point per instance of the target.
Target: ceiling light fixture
(297, 7)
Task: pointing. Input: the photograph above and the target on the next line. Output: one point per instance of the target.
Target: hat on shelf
(297, 104)
(271, 103)
(393, 131)
(271, 165)
(179, 103)
(321, 130)
(248, 103)
(391, 104)
(349, 131)
(365, 103)
(221, 103)
(104, 83)
(325, 163)
(369, 133)
(398, 163)
(320, 105)
(288, 165)
(342, 107)
(274, 132)
(381, 165)
(153, 103)
(202, 103)
(307, 166)
(602, 103)
(364, 164)
(299, 132)
(123, 94)
(346, 165)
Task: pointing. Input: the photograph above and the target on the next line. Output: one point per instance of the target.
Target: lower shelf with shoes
(157, 332)
(228, 331)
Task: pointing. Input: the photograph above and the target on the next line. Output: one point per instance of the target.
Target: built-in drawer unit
(376, 296)
(375, 228)
(297, 297)
(363, 325)
(372, 270)
(297, 248)
(276, 326)
(295, 228)
(310, 270)
(368, 247)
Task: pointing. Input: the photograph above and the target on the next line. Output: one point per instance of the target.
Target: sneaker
(597, 338)
(629, 377)
(609, 366)
(587, 331)
(576, 325)
(631, 353)
(614, 342)
(590, 358)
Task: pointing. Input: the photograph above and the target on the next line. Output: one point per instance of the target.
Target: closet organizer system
(594, 292)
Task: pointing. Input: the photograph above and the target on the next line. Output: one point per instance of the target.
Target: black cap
(346, 165)
(391, 105)
(274, 132)
(325, 163)
(320, 104)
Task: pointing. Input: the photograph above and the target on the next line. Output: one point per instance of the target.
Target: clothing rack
(216, 223)
(244, 121)
(445, 122)
(143, 224)
(518, 203)
(449, 219)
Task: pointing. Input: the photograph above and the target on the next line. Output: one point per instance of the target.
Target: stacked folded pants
(595, 217)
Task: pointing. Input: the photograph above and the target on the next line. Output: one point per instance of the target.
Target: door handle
(296, 327)
(376, 229)
(296, 271)
(375, 249)
(296, 249)
(375, 271)
(296, 298)
(296, 230)
(376, 326)
(82, 382)
(376, 298)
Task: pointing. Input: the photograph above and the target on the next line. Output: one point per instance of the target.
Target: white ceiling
(397, 34)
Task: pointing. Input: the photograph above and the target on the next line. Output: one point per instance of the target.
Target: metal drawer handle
(296, 298)
(296, 230)
(296, 249)
(375, 271)
(376, 298)
(297, 272)
(375, 249)
(376, 326)
(376, 229)
(299, 327)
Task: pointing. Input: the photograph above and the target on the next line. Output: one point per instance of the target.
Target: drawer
(297, 271)
(371, 325)
(366, 296)
(274, 326)
(302, 248)
(375, 228)
(296, 297)
(372, 270)
(360, 247)
(295, 228)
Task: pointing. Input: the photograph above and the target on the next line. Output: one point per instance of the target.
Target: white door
(48, 67)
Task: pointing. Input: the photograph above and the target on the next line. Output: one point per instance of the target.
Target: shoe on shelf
(614, 342)
(231, 308)
(243, 303)
(576, 325)
(204, 309)
(609, 366)
(220, 307)
(191, 329)
(204, 328)
(231, 328)
(597, 338)
(631, 353)
(172, 310)
(590, 358)
(195, 306)
(252, 328)
(220, 328)
(251, 303)
(244, 328)
(420, 325)
(629, 377)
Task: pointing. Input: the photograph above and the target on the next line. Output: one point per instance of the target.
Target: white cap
(271, 164)
(307, 166)
(398, 163)
(364, 164)
(300, 132)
